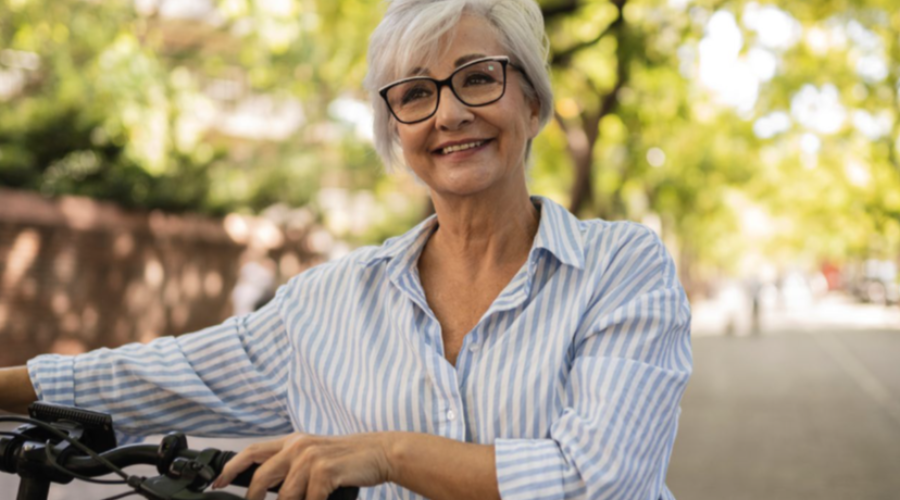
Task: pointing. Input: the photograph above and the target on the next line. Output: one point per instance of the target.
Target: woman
(501, 348)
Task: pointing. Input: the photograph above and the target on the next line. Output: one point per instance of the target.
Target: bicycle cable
(91, 453)
(136, 482)
(122, 495)
(51, 459)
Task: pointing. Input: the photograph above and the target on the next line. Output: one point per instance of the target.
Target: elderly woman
(500, 349)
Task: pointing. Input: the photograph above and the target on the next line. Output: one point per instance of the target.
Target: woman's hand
(311, 467)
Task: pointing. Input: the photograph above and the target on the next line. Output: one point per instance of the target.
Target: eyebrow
(418, 70)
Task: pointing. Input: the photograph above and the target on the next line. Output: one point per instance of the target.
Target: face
(502, 128)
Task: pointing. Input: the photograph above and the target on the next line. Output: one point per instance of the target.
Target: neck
(483, 233)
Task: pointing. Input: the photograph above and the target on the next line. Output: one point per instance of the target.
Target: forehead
(471, 38)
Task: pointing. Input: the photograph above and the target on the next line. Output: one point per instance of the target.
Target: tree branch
(563, 57)
(562, 9)
(610, 100)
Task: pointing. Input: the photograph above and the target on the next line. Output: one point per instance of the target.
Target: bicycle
(57, 444)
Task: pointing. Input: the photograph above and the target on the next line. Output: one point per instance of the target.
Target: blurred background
(165, 164)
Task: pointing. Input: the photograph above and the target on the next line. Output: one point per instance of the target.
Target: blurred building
(77, 274)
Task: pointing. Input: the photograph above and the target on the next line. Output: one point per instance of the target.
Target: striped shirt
(575, 373)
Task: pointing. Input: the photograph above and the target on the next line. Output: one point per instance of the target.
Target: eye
(479, 79)
(415, 94)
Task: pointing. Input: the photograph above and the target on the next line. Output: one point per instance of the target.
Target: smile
(461, 147)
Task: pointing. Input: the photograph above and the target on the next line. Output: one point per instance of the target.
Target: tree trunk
(583, 135)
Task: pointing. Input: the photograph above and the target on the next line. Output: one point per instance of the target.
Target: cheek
(528, 127)
(412, 140)
(529, 124)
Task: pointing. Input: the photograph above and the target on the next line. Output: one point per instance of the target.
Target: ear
(534, 117)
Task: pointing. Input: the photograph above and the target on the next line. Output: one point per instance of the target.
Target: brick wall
(77, 274)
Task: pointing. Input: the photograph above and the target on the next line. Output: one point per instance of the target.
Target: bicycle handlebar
(52, 448)
(126, 456)
(147, 454)
(130, 455)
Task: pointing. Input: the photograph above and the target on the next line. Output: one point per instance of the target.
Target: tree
(106, 100)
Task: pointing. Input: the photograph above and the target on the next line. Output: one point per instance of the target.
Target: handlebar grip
(218, 495)
(244, 478)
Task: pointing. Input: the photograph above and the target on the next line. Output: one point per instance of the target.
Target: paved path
(834, 311)
(791, 416)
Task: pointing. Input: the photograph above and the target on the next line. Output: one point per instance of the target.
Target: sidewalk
(791, 416)
(805, 406)
(731, 313)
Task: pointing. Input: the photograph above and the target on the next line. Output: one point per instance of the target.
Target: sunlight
(772, 124)
(722, 70)
(23, 254)
(819, 109)
(775, 28)
(734, 77)
(356, 113)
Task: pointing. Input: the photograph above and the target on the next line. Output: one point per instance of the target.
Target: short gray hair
(409, 35)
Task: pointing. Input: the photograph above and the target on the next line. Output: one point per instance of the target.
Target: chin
(465, 183)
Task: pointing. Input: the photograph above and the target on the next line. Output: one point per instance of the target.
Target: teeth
(461, 147)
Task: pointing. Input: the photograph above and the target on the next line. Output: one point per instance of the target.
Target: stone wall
(76, 274)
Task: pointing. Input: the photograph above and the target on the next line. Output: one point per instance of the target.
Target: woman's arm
(311, 467)
(16, 391)
(440, 468)
(630, 363)
(226, 380)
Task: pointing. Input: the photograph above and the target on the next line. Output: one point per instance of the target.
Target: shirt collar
(559, 233)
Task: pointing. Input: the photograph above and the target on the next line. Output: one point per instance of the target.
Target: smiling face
(464, 150)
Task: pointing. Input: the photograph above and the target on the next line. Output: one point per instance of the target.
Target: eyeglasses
(478, 83)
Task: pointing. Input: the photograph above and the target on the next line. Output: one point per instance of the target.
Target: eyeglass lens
(474, 85)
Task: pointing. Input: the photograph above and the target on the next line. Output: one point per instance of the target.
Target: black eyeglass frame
(503, 60)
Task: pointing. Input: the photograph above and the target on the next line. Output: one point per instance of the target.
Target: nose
(452, 114)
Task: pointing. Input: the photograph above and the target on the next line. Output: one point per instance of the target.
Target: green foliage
(722, 192)
(89, 95)
(108, 109)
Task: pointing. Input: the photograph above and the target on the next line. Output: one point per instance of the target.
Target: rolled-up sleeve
(621, 400)
(226, 380)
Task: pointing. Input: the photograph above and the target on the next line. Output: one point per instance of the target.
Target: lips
(455, 147)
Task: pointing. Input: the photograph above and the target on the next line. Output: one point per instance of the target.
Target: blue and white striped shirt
(575, 372)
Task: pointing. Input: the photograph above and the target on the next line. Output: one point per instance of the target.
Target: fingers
(268, 475)
(308, 467)
(303, 455)
(256, 453)
(322, 481)
(295, 483)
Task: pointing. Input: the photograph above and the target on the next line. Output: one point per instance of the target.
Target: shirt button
(451, 415)
(473, 347)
